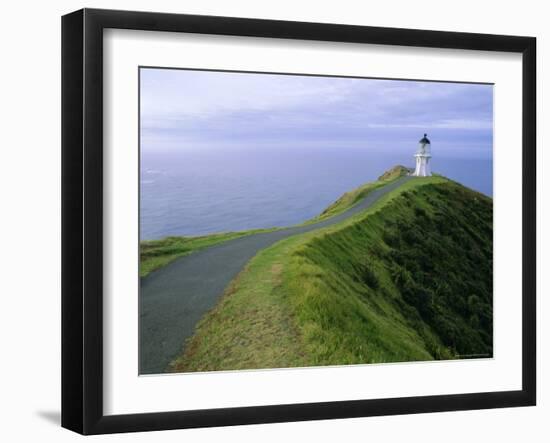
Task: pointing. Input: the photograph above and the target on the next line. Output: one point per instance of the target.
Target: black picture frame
(82, 219)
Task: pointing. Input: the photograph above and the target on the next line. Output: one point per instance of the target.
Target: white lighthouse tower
(422, 156)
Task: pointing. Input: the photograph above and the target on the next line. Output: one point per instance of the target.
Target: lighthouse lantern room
(422, 156)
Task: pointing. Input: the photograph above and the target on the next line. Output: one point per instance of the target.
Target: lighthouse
(422, 156)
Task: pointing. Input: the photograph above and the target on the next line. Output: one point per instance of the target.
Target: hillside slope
(408, 279)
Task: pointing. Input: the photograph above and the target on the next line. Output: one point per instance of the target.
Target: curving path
(174, 298)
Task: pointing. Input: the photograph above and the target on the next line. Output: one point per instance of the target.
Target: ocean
(198, 192)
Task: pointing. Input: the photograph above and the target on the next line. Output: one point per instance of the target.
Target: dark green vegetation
(442, 265)
(423, 264)
(408, 279)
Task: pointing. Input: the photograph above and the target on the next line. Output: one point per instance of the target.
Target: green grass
(412, 281)
(360, 291)
(394, 173)
(252, 325)
(354, 196)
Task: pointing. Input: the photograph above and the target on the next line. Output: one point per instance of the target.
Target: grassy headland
(354, 196)
(410, 278)
(155, 254)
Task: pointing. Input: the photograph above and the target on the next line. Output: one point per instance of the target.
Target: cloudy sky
(183, 109)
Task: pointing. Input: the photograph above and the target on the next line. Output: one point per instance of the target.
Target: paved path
(174, 298)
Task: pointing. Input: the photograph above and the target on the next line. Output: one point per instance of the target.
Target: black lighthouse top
(424, 140)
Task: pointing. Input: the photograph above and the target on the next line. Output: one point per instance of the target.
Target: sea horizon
(207, 191)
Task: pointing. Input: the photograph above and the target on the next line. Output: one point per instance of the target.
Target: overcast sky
(212, 110)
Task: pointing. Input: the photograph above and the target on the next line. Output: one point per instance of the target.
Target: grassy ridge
(411, 282)
(354, 196)
(155, 254)
(408, 279)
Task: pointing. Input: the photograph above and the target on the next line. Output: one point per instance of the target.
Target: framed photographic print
(269, 221)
